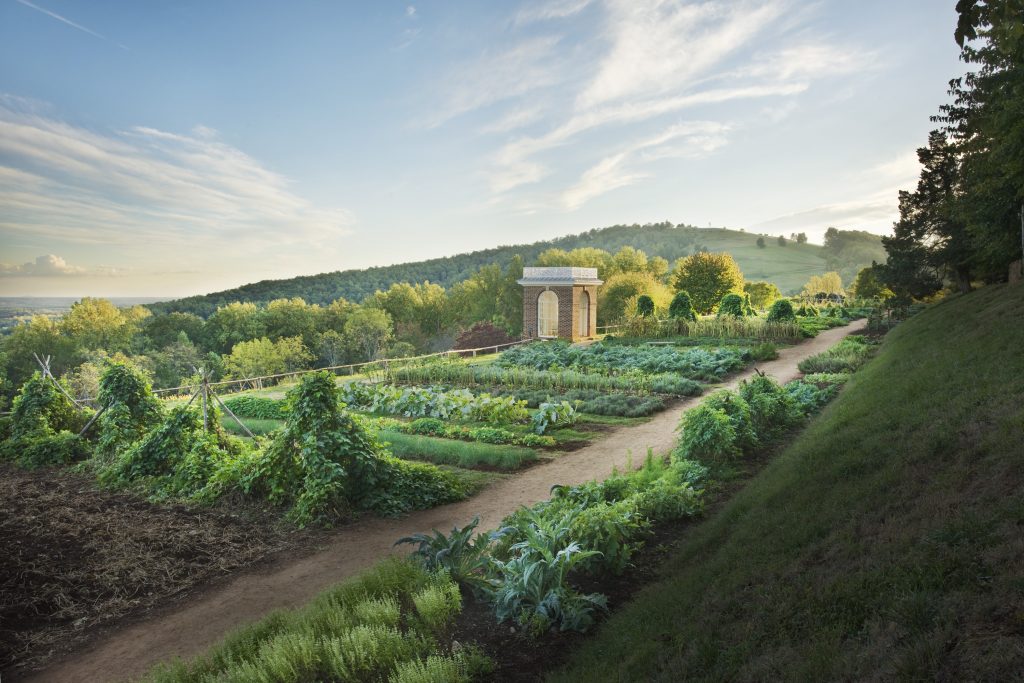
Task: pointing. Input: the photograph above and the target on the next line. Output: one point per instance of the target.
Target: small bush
(764, 351)
(781, 311)
(731, 305)
(708, 435)
(681, 307)
(257, 407)
(645, 306)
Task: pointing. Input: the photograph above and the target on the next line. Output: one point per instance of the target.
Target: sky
(181, 147)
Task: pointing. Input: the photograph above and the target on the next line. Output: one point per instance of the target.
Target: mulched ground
(77, 558)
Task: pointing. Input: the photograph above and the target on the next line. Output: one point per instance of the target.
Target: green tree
(618, 296)
(369, 330)
(762, 294)
(290, 318)
(261, 357)
(868, 285)
(782, 241)
(801, 238)
(707, 278)
(163, 330)
(98, 324)
(828, 284)
(760, 243)
(731, 305)
(40, 336)
(986, 120)
(781, 311)
(233, 323)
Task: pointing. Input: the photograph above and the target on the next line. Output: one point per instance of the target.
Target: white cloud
(49, 265)
(410, 11)
(514, 119)
(609, 174)
(66, 182)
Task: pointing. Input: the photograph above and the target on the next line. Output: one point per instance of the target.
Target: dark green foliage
(645, 306)
(681, 308)
(732, 304)
(772, 409)
(43, 427)
(177, 457)
(428, 426)
(257, 407)
(325, 463)
(41, 408)
(131, 409)
(444, 451)
(782, 311)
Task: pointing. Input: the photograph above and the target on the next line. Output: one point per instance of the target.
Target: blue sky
(180, 147)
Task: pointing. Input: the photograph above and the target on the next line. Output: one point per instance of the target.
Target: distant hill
(788, 267)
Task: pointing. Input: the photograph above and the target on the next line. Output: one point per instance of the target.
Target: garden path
(188, 629)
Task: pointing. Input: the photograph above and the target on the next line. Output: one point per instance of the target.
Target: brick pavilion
(560, 303)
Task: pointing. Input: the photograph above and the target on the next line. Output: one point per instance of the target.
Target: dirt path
(195, 626)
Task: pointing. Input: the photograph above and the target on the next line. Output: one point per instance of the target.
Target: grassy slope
(886, 541)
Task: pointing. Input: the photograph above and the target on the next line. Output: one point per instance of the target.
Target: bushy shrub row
(527, 569)
(591, 401)
(846, 356)
(730, 424)
(432, 426)
(631, 381)
(257, 407)
(459, 404)
(702, 364)
(392, 624)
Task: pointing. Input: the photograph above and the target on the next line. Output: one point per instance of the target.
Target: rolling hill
(788, 266)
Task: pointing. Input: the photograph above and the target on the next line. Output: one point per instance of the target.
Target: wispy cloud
(183, 191)
(65, 20)
(501, 75)
(655, 58)
(545, 11)
(688, 139)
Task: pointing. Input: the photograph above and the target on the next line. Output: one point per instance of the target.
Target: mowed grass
(466, 454)
(885, 543)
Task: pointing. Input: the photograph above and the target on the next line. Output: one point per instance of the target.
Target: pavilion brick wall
(568, 309)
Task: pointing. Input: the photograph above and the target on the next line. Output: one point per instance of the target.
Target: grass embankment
(885, 542)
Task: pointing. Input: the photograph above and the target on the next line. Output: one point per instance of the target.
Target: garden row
(530, 571)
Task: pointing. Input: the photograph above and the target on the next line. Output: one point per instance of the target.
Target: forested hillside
(787, 263)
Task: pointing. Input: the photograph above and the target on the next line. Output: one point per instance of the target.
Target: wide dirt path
(189, 630)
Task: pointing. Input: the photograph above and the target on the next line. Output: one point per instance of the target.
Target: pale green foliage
(549, 415)
(261, 357)
(829, 283)
(437, 605)
(433, 669)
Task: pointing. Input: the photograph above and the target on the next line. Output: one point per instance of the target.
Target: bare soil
(78, 559)
(188, 627)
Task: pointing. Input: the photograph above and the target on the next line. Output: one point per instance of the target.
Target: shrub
(781, 311)
(738, 410)
(707, 435)
(764, 351)
(675, 385)
(428, 426)
(731, 304)
(772, 410)
(645, 306)
(846, 356)
(681, 308)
